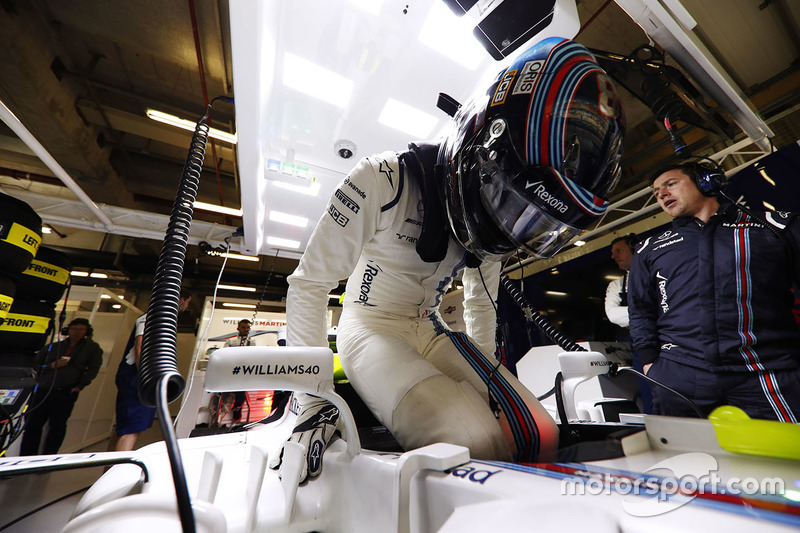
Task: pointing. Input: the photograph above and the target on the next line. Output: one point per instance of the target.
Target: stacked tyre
(25, 318)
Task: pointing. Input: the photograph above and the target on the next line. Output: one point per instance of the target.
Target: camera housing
(344, 148)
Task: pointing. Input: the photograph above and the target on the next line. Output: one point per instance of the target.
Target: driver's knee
(439, 409)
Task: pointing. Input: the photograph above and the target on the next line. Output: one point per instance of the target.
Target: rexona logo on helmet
(530, 163)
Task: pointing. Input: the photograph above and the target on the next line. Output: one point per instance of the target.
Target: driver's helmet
(530, 163)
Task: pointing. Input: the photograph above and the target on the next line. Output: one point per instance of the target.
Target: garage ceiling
(80, 74)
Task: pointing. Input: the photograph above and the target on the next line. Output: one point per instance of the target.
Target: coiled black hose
(159, 359)
(532, 315)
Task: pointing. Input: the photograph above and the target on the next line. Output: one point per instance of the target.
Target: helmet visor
(524, 223)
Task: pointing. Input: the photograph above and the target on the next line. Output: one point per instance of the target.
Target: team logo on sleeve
(385, 169)
(338, 216)
(350, 204)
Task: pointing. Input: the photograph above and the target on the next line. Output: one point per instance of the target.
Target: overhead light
(286, 243)
(242, 306)
(121, 297)
(579, 243)
(554, 271)
(451, 36)
(555, 293)
(79, 274)
(105, 296)
(768, 205)
(332, 296)
(310, 190)
(230, 255)
(237, 288)
(46, 230)
(285, 218)
(316, 81)
(98, 275)
(116, 306)
(612, 278)
(172, 120)
(218, 209)
(407, 119)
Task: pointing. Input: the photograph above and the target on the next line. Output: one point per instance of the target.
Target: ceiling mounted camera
(345, 149)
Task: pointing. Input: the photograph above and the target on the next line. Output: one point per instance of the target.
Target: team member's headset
(78, 322)
(711, 181)
(707, 176)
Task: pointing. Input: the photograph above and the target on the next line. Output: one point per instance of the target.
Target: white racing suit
(423, 381)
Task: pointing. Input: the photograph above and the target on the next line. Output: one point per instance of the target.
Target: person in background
(242, 339)
(133, 417)
(617, 292)
(711, 302)
(622, 250)
(525, 166)
(64, 370)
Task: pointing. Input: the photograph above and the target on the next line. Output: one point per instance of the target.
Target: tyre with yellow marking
(7, 293)
(46, 277)
(20, 234)
(26, 326)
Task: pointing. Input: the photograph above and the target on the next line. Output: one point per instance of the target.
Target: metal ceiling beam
(121, 221)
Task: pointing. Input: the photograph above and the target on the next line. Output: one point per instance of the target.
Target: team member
(711, 305)
(622, 250)
(134, 417)
(65, 368)
(526, 165)
(616, 302)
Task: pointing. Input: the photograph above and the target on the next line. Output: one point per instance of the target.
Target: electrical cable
(615, 369)
(158, 379)
(196, 356)
(175, 462)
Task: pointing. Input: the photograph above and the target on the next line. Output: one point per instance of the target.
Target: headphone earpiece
(709, 180)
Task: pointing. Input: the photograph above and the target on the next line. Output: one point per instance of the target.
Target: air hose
(159, 382)
(159, 345)
(532, 315)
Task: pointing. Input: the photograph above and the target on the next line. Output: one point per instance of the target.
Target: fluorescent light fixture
(241, 257)
(105, 296)
(769, 205)
(612, 278)
(373, 7)
(554, 271)
(555, 293)
(98, 275)
(237, 288)
(116, 306)
(452, 37)
(285, 243)
(333, 296)
(407, 119)
(79, 274)
(218, 209)
(285, 218)
(172, 120)
(214, 253)
(242, 306)
(310, 190)
(316, 81)
(579, 243)
(47, 230)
